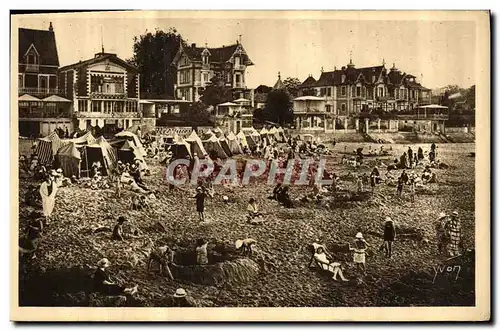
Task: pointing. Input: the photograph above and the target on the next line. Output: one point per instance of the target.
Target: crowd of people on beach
(131, 176)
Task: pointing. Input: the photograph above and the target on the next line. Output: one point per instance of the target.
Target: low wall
(459, 129)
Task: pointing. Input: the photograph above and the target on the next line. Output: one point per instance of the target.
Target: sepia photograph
(291, 166)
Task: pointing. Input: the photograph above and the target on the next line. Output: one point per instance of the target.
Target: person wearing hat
(389, 236)
(323, 260)
(182, 299)
(454, 231)
(48, 190)
(104, 284)
(360, 246)
(118, 229)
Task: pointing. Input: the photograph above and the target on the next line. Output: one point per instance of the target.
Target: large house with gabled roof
(42, 109)
(349, 91)
(196, 66)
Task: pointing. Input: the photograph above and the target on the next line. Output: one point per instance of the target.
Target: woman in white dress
(48, 190)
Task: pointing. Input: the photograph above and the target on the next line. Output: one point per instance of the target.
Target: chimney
(343, 67)
(51, 28)
(193, 45)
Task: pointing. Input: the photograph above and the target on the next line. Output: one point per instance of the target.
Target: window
(342, 107)
(21, 80)
(328, 108)
(322, 91)
(31, 59)
(381, 91)
(96, 106)
(342, 90)
(44, 82)
(205, 77)
(238, 78)
(353, 91)
(343, 79)
(329, 91)
(373, 79)
(358, 91)
(236, 61)
(205, 59)
(184, 76)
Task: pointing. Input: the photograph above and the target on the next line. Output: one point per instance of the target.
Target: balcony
(104, 95)
(32, 68)
(422, 116)
(43, 113)
(116, 115)
(40, 92)
(239, 67)
(205, 66)
(239, 85)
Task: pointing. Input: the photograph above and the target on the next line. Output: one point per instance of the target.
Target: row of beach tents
(76, 156)
(216, 144)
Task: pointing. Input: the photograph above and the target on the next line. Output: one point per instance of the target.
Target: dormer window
(205, 59)
(343, 79)
(236, 60)
(31, 59)
(373, 79)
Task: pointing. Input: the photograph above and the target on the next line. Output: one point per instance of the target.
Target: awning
(227, 104)
(27, 97)
(55, 98)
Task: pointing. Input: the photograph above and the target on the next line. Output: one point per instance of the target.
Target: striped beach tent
(47, 147)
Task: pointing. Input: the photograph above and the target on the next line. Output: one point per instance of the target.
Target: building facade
(105, 93)
(196, 66)
(42, 109)
(352, 91)
(234, 116)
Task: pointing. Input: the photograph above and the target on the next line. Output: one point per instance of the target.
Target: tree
(153, 55)
(292, 86)
(471, 97)
(215, 92)
(278, 108)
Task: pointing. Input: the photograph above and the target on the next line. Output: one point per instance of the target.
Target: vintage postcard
(250, 166)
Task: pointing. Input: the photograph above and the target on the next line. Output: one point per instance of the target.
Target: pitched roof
(308, 82)
(101, 57)
(44, 42)
(279, 84)
(219, 54)
(260, 97)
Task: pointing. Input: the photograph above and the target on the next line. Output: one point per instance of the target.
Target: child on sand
(360, 246)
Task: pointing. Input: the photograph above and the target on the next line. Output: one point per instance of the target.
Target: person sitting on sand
(181, 299)
(253, 210)
(276, 191)
(245, 246)
(324, 261)
(427, 174)
(284, 198)
(201, 251)
(118, 229)
(103, 283)
(360, 246)
(136, 174)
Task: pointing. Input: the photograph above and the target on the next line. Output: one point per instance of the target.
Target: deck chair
(325, 268)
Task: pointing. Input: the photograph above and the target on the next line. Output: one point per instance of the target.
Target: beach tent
(281, 133)
(214, 148)
(242, 139)
(196, 145)
(274, 133)
(255, 135)
(263, 132)
(47, 147)
(132, 136)
(127, 153)
(100, 151)
(234, 144)
(68, 158)
(225, 145)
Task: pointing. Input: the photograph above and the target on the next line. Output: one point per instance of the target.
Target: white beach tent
(196, 144)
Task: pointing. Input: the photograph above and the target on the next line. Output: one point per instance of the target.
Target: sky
(439, 53)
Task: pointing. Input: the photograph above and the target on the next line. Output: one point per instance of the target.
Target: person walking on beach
(389, 236)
